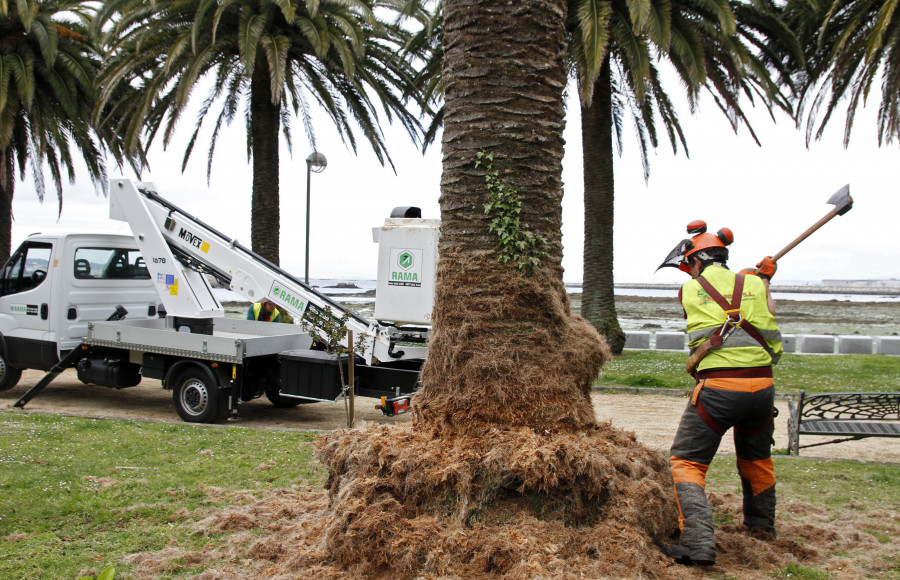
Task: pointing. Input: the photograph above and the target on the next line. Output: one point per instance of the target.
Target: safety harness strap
(733, 310)
(708, 419)
(719, 299)
(733, 319)
(720, 431)
(737, 373)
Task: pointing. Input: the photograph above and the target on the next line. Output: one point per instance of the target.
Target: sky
(767, 195)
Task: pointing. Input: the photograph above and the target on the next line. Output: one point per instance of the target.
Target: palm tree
(505, 350)
(276, 57)
(724, 49)
(850, 45)
(503, 420)
(47, 71)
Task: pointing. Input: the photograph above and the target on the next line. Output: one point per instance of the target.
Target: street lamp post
(315, 163)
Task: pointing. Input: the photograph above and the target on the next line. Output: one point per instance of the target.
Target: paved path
(652, 417)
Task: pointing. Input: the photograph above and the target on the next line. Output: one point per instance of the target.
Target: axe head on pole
(842, 203)
(841, 200)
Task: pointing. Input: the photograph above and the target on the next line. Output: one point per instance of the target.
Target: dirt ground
(653, 418)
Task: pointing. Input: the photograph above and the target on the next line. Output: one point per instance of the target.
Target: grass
(812, 373)
(79, 494)
(801, 573)
(834, 485)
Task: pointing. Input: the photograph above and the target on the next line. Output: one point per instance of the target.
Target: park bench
(848, 415)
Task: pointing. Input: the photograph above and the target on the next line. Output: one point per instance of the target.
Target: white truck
(118, 308)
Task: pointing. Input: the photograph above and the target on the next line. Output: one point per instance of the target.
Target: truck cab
(54, 285)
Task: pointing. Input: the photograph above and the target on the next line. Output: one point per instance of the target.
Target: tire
(196, 398)
(283, 402)
(9, 376)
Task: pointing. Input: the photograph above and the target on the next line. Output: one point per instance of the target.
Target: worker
(734, 342)
(264, 311)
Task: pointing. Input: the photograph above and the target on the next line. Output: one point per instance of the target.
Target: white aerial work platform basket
(407, 263)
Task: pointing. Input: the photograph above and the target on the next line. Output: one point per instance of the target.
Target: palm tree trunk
(505, 348)
(598, 303)
(504, 404)
(7, 183)
(265, 221)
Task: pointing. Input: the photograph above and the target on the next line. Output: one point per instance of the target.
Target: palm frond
(252, 27)
(592, 38)
(47, 37)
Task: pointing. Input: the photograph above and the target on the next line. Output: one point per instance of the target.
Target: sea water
(352, 291)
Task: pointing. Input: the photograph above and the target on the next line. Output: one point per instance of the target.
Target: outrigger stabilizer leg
(68, 361)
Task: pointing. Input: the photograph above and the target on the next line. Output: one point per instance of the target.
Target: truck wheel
(9, 376)
(281, 401)
(196, 399)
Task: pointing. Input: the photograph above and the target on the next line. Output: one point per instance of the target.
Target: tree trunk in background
(505, 349)
(598, 301)
(7, 186)
(265, 224)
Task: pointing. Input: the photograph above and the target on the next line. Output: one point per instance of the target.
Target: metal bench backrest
(849, 406)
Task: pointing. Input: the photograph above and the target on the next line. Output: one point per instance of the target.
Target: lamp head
(316, 162)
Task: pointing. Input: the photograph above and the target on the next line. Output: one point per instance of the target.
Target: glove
(749, 272)
(766, 268)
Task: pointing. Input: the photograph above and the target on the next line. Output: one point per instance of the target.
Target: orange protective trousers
(745, 405)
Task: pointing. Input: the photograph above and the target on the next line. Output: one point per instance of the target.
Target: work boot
(697, 518)
(763, 531)
(700, 555)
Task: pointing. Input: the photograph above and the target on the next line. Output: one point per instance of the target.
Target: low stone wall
(793, 343)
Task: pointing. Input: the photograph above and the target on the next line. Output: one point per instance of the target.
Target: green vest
(705, 316)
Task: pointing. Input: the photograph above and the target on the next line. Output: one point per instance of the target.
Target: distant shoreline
(804, 289)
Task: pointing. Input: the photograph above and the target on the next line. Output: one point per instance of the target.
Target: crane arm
(178, 249)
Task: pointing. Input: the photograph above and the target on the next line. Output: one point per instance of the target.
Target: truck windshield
(109, 263)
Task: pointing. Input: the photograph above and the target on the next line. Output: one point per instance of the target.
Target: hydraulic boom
(179, 250)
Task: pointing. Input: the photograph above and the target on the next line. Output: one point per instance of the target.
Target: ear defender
(696, 227)
(726, 236)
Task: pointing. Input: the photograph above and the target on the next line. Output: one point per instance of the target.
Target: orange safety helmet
(678, 257)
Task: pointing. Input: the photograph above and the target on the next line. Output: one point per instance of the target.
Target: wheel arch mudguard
(182, 365)
(3, 350)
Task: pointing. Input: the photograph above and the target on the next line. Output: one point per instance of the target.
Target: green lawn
(813, 373)
(78, 494)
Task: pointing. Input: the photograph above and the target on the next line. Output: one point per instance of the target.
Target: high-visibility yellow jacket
(256, 310)
(705, 316)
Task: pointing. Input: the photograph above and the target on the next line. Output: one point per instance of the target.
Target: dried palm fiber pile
(503, 469)
(279, 534)
(511, 502)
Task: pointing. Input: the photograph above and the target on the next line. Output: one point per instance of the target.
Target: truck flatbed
(232, 340)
